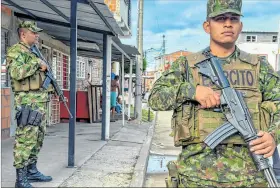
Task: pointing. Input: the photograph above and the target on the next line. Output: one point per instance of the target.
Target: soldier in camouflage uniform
(27, 73)
(192, 97)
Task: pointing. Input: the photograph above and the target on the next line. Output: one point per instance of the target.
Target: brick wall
(112, 4)
(5, 112)
(96, 71)
(174, 56)
(149, 81)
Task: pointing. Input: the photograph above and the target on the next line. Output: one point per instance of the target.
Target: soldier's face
(31, 37)
(224, 29)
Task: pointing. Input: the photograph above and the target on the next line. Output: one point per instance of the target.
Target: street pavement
(97, 163)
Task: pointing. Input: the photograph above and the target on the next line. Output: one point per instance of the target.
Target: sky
(181, 22)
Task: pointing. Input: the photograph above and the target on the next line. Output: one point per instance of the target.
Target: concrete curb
(138, 177)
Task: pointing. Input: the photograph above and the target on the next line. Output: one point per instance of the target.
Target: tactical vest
(192, 124)
(32, 83)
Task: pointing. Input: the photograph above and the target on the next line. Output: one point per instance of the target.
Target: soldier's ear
(206, 26)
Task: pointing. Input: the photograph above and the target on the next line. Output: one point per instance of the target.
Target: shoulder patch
(195, 58)
(249, 58)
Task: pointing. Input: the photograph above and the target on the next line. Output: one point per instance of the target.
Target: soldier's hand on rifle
(207, 97)
(264, 145)
(43, 66)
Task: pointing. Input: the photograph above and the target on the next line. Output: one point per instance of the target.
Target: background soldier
(27, 73)
(193, 99)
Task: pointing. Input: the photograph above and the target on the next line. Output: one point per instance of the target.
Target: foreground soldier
(193, 99)
(27, 73)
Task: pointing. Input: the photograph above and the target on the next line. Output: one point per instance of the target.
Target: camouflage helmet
(218, 7)
(30, 25)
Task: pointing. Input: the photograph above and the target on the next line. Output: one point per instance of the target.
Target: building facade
(121, 10)
(148, 80)
(164, 62)
(264, 44)
(57, 54)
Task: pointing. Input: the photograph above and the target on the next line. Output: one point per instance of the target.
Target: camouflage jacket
(22, 63)
(171, 90)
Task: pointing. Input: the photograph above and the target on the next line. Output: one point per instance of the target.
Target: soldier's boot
(34, 175)
(22, 181)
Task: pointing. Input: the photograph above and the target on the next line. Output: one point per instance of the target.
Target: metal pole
(104, 87)
(149, 116)
(277, 68)
(163, 51)
(138, 105)
(123, 106)
(129, 89)
(73, 52)
(108, 86)
(96, 106)
(145, 84)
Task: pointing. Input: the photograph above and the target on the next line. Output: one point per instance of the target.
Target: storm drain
(157, 163)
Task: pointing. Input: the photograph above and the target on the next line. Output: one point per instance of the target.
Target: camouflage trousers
(29, 139)
(225, 166)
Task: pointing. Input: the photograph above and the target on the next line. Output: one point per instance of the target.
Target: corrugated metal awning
(91, 14)
(93, 17)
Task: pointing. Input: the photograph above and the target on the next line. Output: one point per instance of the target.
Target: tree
(144, 64)
(126, 67)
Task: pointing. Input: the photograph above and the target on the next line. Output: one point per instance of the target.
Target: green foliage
(145, 114)
(126, 67)
(144, 64)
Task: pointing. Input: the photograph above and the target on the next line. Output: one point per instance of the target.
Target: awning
(93, 17)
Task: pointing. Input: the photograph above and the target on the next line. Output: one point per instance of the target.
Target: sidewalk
(99, 163)
(162, 151)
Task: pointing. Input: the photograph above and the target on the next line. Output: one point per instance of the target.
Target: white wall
(268, 49)
(116, 68)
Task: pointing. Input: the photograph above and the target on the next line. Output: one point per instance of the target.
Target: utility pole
(139, 65)
(163, 50)
(145, 72)
(277, 67)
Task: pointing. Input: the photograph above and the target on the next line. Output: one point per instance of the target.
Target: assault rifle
(50, 78)
(236, 111)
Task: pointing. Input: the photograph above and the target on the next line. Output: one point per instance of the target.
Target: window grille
(81, 67)
(57, 66)
(65, 72)
(55, 110)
